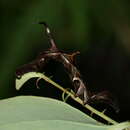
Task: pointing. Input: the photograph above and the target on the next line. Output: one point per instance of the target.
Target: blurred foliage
(99, 29)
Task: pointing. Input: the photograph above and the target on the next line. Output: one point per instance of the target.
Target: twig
(77, 99)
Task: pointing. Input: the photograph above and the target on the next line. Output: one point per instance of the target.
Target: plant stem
(77, 99)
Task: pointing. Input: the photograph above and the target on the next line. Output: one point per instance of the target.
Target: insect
(68, 60)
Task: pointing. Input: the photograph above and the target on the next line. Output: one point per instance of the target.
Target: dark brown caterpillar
(67, 60)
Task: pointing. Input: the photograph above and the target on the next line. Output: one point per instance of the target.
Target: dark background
(99, 29)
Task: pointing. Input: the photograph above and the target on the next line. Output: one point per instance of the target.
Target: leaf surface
(31, 108)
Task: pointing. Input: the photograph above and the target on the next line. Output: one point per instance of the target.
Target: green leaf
(30, 108)
(37, 113)
(58, 125)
